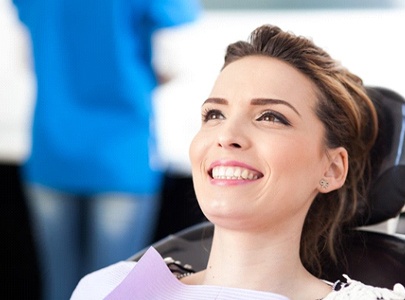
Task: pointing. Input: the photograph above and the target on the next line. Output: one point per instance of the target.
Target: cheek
(295, 160)
(196, 151)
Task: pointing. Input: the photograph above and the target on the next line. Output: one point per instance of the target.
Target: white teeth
(245, 174)
(229, 172)
(222, 172)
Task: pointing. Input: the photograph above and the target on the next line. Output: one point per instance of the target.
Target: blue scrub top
(92, 121)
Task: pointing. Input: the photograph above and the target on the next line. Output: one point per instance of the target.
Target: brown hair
(350, 121)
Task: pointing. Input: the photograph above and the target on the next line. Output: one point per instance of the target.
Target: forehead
(260, 76)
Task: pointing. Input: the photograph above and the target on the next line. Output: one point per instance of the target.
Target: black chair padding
(386, 196)
(373, 258)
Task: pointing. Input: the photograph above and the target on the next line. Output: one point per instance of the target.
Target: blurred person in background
(93, 176)
(20, 271)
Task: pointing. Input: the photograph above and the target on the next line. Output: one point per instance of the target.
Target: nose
(232, 136)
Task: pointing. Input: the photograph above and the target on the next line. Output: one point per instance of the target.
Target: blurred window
(301, 4)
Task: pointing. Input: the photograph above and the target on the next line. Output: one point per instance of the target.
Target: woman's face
(259, 155)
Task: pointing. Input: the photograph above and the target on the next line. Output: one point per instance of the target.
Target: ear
(336, 170)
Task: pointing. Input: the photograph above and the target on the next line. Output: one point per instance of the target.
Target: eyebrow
(265, 101)
(216, 101)
(255, 101)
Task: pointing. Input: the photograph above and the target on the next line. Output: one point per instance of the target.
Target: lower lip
(227, 182)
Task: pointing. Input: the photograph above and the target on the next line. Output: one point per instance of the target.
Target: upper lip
(227, 169)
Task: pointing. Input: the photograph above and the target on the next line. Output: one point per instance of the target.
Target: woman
(280, 166)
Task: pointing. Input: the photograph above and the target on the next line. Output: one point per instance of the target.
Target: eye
(274, 117)
(212, 114)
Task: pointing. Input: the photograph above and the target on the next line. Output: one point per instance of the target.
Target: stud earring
(324, 184)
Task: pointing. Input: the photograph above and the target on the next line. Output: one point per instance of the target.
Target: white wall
(17, 86)
(370, 43)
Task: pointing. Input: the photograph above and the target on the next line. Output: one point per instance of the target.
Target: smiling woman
(280, 167)
(259, 114)
(340, 100)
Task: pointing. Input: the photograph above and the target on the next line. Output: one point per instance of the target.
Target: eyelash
(208, 113)
(275, 117)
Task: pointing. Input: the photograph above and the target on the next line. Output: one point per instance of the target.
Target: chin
(225, 217)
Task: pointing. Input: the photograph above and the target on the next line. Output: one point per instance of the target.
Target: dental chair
(375, 258)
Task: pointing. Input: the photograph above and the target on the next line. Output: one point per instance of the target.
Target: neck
(264, 261)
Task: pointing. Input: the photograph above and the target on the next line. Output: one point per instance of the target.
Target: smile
(234, 173)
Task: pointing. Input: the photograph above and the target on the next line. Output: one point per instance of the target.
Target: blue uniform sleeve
(167, 13)
(24, 8)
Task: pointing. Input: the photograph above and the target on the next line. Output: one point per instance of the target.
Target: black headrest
(386, 196)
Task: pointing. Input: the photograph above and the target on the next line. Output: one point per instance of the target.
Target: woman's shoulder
(356, 290)
(99, 284)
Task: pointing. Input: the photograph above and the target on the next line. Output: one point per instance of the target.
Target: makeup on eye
(254, 102)
(211, 114)
(267, 116)
(274, 117)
